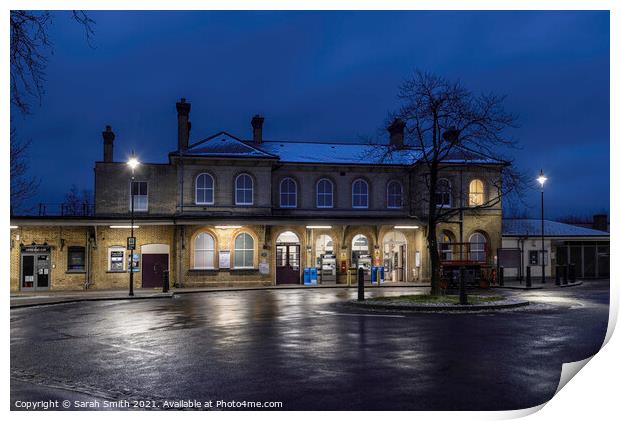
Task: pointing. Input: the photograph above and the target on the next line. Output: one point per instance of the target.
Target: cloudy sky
(322, 76)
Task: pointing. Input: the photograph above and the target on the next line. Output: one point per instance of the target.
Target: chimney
(599, 222)
(108, 144)
(397, 133)
(183, 123)
(257, 129)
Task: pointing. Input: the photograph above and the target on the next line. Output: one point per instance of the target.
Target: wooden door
(287, 264)
(153, 267)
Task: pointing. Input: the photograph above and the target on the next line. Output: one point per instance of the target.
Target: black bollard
(564, 274)
(557, 275)
(572, 273)
(501, 276)
(360, 284)
(166, 280)
(528, 277)
(462, 294)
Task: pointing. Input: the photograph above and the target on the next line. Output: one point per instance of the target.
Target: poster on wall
(135, 264)
(224, 259)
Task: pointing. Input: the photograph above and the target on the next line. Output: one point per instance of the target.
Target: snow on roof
(532, 228)
(339, 153)
(226, 145)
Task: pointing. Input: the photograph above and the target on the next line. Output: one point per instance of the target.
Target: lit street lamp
(131, 241)
(541, 180)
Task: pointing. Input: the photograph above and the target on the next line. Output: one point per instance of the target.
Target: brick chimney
(599, 222)
(257, 129)
(397, 133)
(184, 124)
(108, 144)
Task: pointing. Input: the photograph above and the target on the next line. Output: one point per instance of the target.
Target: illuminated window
(244, 190)
(139, 193)
(360, 194)
(324, 194)
(204, 251)
(476, 193)
(244, 251)
(478, 247)
(443, 195)
(445, 246)
(394, 195)
(204, 189)
(288, 193)
(76, 259)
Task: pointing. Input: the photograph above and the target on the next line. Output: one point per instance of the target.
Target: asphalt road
(303, 348)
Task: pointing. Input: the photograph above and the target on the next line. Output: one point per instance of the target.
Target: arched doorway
(325, 258)
(287, 258)
(395, 256)
(360, 254)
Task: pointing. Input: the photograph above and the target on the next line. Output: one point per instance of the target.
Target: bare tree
(23, 187)
(76, 202)
(30, 46)
(446, 125)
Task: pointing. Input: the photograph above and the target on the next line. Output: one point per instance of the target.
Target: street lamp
(132, 163)
(541, 180)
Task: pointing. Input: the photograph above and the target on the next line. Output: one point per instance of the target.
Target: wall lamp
(124, 226)
(318, 227)
(227, 227)
(406, 227)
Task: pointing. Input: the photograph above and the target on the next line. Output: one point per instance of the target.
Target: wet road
(304, 349)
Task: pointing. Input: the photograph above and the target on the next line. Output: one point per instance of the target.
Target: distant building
(229, 211)
(565, 244)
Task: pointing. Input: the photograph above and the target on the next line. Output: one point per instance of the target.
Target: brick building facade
(228, 211)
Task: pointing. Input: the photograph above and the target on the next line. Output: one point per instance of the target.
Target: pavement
(304, 348)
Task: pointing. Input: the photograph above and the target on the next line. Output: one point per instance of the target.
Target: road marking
(333, 313)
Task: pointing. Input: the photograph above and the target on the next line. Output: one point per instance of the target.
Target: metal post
(131, 251)
(462, 294)
(542, 229)
(557, 275)
(360, 284)
(166, 285)
(565, 274)
(528, 277)
(501, 276)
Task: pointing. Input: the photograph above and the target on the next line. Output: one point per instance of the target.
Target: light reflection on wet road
(303, 348)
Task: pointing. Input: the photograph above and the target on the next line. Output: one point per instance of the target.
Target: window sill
(116, 271)
(75, 271)
(243, 270)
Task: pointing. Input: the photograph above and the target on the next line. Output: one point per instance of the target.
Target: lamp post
(131, 241)
(541, 180)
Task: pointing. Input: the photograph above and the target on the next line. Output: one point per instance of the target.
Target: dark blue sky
(322, 76)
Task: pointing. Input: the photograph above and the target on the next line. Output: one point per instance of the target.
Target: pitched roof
(226, 145)
(532, 228)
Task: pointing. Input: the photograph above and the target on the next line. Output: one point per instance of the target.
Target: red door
(153, 267)
(287, 264)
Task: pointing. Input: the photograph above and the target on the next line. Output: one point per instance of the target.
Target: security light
(541, 179)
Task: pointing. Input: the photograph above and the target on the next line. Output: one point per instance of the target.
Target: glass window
(360, 194)
(443, 195)
(478, 245)
(288, 193)
(76, 259)
(445, 246)
(476, 193)
(244, 251)
(324, 194)
(139, 192)
(244, 190)
(116, 259)
(394, 194)
(204, 251)
(204, 189)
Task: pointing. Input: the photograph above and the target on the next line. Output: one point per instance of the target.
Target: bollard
(528, 277)
(572, 273)
(557, 275)
(564, 275)
(166, 280)
(360, 284)
(501, 276)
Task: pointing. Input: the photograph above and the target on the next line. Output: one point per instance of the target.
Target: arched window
(288, 193)
(244, 251)
(244, 190)
(204, 251)
(478, 247)
(359, 193)
(394, 195)
(446, 249)
(204, 189)
(476, 193)
(324, 193)
(443, 193)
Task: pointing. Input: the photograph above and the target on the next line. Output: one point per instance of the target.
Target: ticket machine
(328, 268)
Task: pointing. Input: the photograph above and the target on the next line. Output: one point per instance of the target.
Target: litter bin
(381, 273)
(314, 275)
(306, 276)
(373, 275)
